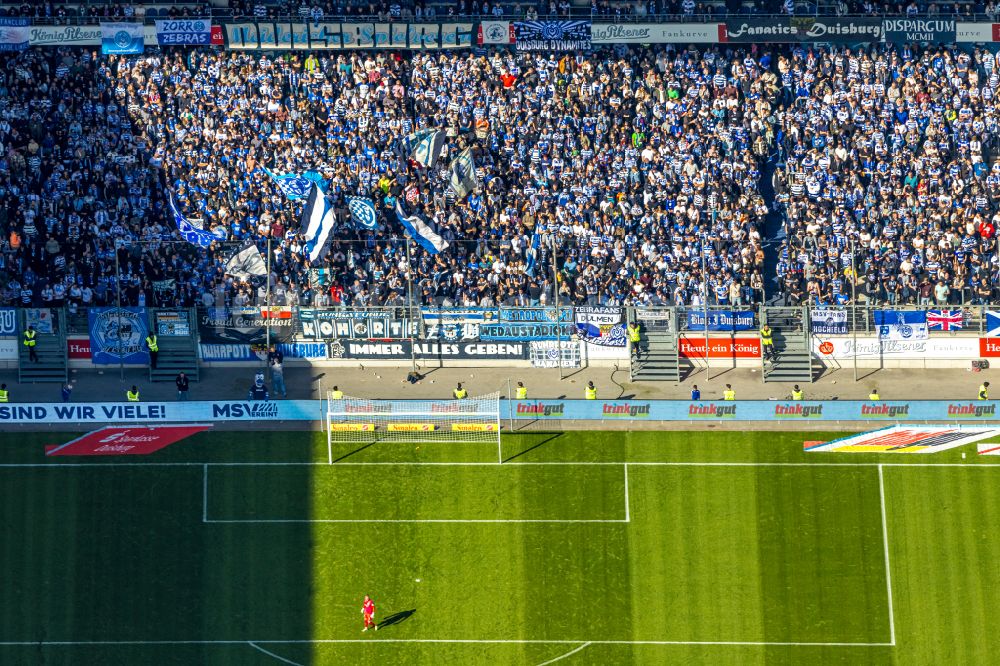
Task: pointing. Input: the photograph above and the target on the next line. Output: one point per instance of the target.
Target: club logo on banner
(495, 32)
(828, 322)
(118, 335)
(122, 38)
(171, 33)
(552, 35)
(456, 324)
(601, 326)
(901, 325)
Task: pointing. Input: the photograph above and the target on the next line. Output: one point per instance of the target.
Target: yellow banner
(352, 427)
(411, 427)
(474, 427)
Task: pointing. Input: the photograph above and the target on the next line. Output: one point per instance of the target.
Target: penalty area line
(564, 655)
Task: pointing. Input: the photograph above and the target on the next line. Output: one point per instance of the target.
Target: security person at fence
(30, 342)
(4, 394)
(984, 391)
(154, 349)
(767, 342)
(336, 394)
(590, 391)
(874, 396)
(132, 394)
(635, 339)
(796, 392)
(460, 393)
(522, 391)
(729, 393)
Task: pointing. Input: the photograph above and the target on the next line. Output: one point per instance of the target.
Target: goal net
(366, 421)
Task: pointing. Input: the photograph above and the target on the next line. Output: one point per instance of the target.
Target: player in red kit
(368, 610)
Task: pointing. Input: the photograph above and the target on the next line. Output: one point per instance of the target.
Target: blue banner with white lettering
(183, 32)
(8, 321)
(14, 34)
(122, 38)
(721, 320)
(118, 335)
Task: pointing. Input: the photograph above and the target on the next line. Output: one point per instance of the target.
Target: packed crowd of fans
(620, 177)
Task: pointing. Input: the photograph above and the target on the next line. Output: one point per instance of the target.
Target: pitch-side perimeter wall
(623, 411)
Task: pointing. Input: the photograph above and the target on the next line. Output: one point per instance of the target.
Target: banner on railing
(694, 347)
(121, 38)
(355, 324)
(552, 35)
(901, 325)
(402, 350)
(828, 322)
(455, 324)
(530, 324)
(655, 33)
(172, 323)
(495, 32)
(868, 347)
(216, 353)
(905, 30)
(785, 29)
(720, 320)
(245, 325)
(8, 321)
(604, 326)
(284, 35)
(118, 335)
(14, 34)
(182, 32)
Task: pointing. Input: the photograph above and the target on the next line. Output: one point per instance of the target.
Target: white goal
(366, 421)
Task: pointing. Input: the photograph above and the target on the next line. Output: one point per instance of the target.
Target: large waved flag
(424, 146)
(189, 231)
(901, 325)
(122, 38)
(421, 230)
(247, 264)
(944, 320)
(318, 221)
(363, 212)
(993, 324)
(294, 186)
(463, 174)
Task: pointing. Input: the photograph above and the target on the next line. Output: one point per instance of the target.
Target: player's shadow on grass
(396, 618)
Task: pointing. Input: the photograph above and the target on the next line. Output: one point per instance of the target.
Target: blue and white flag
(901, 325)
(532, 253)
(14, 34)
(463, 174)
(318, 221)
(424, 146)
(190, 232)
(993, 324)
(122, 38)
(292, 184)
(421, 230)
(363, 212)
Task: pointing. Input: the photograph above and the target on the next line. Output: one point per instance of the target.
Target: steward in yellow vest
(522, 391)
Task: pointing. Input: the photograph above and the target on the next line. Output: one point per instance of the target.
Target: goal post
(352, 420)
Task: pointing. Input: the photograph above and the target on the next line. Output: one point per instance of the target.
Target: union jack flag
(944, 320)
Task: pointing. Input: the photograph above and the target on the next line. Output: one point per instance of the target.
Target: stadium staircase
(793, 354)
(661, 360)
(177, 342)
(53, 359)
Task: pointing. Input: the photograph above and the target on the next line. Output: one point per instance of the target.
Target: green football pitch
(583, 548)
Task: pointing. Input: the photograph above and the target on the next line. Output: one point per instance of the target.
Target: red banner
(691, 347)
(217, 37)
(78, 348)
(989, 347)
(126, 440)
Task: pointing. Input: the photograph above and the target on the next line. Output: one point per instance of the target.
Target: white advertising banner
(974, 32)
(654, 33)
(76, 35)
(842, 348)
(8, 350)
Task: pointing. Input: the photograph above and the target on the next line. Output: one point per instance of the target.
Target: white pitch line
(627, 517)
(507, 465)
(885, 546)
(271, 654)
(563, 656)
(469, 641)
(204, 497)
(416, 520)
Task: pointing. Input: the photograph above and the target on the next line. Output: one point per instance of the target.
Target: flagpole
(409, 289)
(267, 301)
(854, 312)
(118, 307)
(555, 288)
